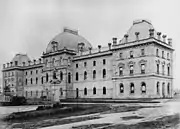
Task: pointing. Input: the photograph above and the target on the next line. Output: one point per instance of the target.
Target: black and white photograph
(89, 64)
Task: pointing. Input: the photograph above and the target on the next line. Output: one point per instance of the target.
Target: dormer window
(54, 45)
(16, 63)
(81, 47)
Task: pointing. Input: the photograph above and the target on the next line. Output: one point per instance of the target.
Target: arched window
(69, 77)
(132, 88)
(61, 75)
(26, 81)
(121, 88)
(85, 91)
(104, 73)
(143, 87)
(168, 70)
(157, 68)
(168, 88)
(41, 80)
(31, 93)
(47, 77)
(36, 80)
(157, 52)
(61, 91)
(157, 86)
(104, 90)
(77, 76)
(120, 71)
(94, 74)
(31, 81)
(131, 69)
(85, 75)
(77, 92)
(94, 91)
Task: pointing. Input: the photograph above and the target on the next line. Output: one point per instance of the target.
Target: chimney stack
(159, 35)
(151, 32)
(109, 45)
(90, 48)
(11, 63)
(126, 38)
(114, 41)
(170, 41)
(164, 38)
(99, 47)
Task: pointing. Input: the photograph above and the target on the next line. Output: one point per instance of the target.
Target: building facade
(139, 65)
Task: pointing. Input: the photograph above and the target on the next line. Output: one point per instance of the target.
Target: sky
(27, 26)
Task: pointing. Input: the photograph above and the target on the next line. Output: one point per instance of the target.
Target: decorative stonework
(131, 63)
(121, 65)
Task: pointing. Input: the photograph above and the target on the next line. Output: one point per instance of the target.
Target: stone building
(139, 65)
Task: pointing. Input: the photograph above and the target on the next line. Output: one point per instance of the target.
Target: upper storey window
(162, 54)
(142, 68)
(131, 54)
(131, 69)
(76, 65)
(142, 52)
(104, 61)
(94, 63)
(157, 52)
(168, 56)
(121, 55)
(85, 64)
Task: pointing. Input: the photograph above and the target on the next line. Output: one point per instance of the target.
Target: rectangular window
(131, 54)
(131, 69)
(26, 73)
(31, 72)
(142, 52)
(76, 65)
(94, 63)
(157, 68)
(104, 61)
(85, 64)
(16, 63)
(120, 71)
(120, 55)
(142, 68)
(168, 69)
(168, 56)
(162, 54)
(163, 69)
(36, 71)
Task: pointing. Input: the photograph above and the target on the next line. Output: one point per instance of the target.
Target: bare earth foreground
(119, 116)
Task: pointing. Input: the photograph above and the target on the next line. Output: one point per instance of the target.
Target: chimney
(137, 35)
(34, 61)
(7, 64)
(90, 48)
(126, 38)
(109, 45)
(151, 32)
(159, 35)
(164, 38)
(99, 47)
(170, 41)
(40, 60)
(4, 65)
(11, 63)
(114, 41)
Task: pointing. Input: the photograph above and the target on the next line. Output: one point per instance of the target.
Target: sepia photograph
(89, 64)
